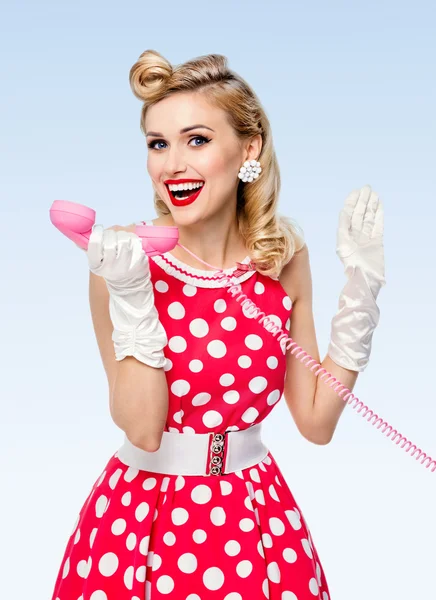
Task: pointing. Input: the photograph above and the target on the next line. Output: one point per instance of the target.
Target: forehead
(182, 109)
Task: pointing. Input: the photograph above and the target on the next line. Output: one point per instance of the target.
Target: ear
(254, 147)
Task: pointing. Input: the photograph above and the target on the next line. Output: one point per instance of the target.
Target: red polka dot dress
(143, 535)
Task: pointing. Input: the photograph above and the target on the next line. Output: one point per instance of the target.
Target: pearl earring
(250, 170)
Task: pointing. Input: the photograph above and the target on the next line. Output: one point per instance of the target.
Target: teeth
(174, 187)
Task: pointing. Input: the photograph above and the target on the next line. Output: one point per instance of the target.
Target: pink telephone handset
(76, 221)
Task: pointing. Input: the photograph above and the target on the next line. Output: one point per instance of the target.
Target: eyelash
(202, 137)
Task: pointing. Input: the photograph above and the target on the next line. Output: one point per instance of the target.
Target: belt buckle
(216, 453)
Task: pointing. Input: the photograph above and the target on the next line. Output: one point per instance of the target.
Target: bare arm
(315, 407)
(138, 393)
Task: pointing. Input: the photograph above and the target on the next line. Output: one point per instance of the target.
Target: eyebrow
(184, 130)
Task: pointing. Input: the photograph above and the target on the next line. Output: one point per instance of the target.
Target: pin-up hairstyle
(271, 239)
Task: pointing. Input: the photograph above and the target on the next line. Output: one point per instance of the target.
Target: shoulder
(295, 276)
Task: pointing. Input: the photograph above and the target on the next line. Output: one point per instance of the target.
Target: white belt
(198, 453)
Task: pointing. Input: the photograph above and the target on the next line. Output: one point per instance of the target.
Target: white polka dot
(143, 545)
(187, 429)
(149, 483)
(83, 567)
(177, 416)
(273, 572)
(66, 568)
(265, 587)
(254, 475)
(231, 596)
(218, 515)
(307, 548)
(288, 324)
(313, 586)
(294, 519)
(246, 524)
(213, 578)
(199, 536)
(212, 418)
(287, 303)
(232, 548)
(189, 290)
(177, 343)
(274, 320)
(118, 526)
(273, 397)
(195, 365)
(220, 305)
(199, 327)
(248, 504)
(157, 562)
(113, 480)
(161, 286)
(165, 584)
(244, 568)
(179, 516)
(228, 323)
(277, 526)
(216, 348)
(180, 387)
(273, 493)
(244, 361)
(231, 397)
(142, 511)
(289, 555)
(259, 288)
(130, 474)
(187, 562)
(131, 541)
(176, 310)
(201, 494)
(201, 398)
(253, 341)
(249, 310)
(250, 415)
(227, 379)
(168, 364)
(92, 536)
(288, 596)
(272, 362)
(140, 574)
(260, 549)
(98, 595)
(180, 482)
(267, 540)
(150, 557)
(250, 489)
(169, 538)
(100, 505)
(226, 488)
(108, 564)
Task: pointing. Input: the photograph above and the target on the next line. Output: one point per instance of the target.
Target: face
(189, 140)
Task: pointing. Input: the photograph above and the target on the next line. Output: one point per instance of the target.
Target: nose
(175, 162)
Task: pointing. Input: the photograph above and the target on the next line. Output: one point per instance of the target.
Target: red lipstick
(192, 197)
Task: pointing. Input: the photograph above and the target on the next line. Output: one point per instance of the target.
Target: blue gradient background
(350, 92)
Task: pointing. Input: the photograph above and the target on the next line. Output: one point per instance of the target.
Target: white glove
(359, 245)
(118, 257)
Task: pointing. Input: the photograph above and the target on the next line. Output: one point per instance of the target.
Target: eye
(202, 138)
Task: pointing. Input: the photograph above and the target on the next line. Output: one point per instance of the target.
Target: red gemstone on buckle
(217, 454)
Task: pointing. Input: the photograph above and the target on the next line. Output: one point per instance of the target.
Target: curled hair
(271, 239)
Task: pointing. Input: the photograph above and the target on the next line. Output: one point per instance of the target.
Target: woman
(193, 506)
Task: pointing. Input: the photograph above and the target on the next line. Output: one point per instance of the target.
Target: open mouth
(183, 194)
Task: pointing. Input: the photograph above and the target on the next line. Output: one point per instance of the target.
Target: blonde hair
(271, 239)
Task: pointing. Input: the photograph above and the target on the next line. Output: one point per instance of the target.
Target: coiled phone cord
(318, 370)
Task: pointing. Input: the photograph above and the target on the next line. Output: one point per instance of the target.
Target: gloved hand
(359, 245)
(118, 257)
